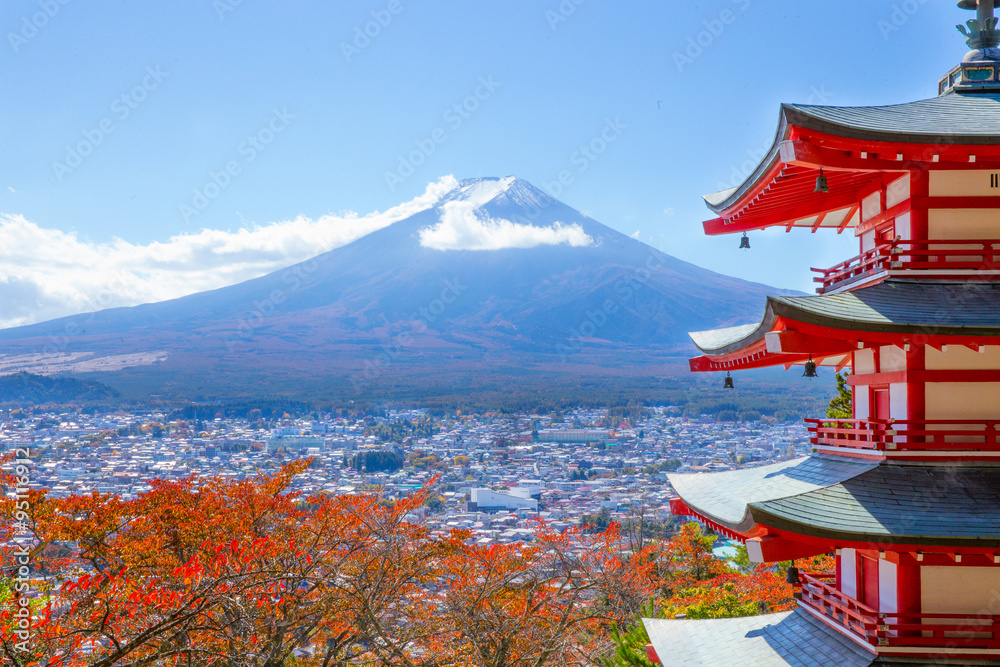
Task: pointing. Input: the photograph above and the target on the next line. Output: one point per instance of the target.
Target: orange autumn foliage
(223, 572)
(248, 573)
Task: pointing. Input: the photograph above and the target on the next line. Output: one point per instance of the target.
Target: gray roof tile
(724, 496)
(894, 306)
(824, 496)
(949, 119)
(777, 640)
(972, 118)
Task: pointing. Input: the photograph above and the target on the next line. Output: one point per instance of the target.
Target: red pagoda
(907, 492)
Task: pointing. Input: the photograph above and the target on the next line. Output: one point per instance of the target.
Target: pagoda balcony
(906, 437)
(934, 259)
(884, 631)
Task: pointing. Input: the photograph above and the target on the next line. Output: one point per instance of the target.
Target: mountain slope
(387, 306)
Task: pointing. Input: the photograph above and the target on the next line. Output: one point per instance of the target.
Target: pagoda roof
(773, 640)
(893, 138)
(894, 306)
(726, 497)
(839, 500)
(964, 119)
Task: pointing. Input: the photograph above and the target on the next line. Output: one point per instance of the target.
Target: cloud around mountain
(49, 273)
(462, 228)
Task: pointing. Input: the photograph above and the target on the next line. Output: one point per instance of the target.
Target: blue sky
(202, 117)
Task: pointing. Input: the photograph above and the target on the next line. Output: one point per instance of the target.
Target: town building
(485, 500)
(906, 493)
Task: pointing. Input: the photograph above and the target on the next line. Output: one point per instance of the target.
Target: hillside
(399, 312)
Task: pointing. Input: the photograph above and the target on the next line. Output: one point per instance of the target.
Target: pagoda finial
(979, 71)
(982, 31)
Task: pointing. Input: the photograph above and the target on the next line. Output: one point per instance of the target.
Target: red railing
(897, 629)
(934, 255)
(905, 435)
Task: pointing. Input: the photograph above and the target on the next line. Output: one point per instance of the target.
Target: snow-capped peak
(478, 192)
(497, 214)
(509, 192)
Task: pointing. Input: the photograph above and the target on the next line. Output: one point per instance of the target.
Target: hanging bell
(729, 382)
(793, 575)
(745, 242)
(822, 185)
(810, 369)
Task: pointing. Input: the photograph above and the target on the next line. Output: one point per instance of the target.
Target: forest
(780, 396)
(28, 389)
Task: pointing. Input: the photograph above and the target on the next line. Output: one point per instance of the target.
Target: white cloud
(461, 228)
(12, 189)
(48, 273)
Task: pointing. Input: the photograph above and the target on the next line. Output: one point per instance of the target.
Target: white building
(485, 500)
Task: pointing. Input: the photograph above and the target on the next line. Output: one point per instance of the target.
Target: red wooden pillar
(868, 584)
(916, 392)
(919, 187)
(908, 593)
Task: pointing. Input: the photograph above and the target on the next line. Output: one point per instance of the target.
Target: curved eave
(734, 340)
(767, 344)
(828, 327)
(758, 516)
(727, 499)
(830, 499)
(726, 199)
(892, 139)
(947, 309)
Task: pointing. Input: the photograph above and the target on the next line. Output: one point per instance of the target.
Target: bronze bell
(729, 382)
(793, 575)
(822, 185)
(745, 242)
(810, 369)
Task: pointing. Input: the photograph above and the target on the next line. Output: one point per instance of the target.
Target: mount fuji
(496, 280)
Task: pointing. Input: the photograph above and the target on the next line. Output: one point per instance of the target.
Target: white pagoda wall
(849, 573)
(903, 228)
(861, 408)
(962, 183)
(959, 590)
(949, 224)
(897, 192)
(962, 400)
(892, 358)
(888, 588)
(961, 358)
